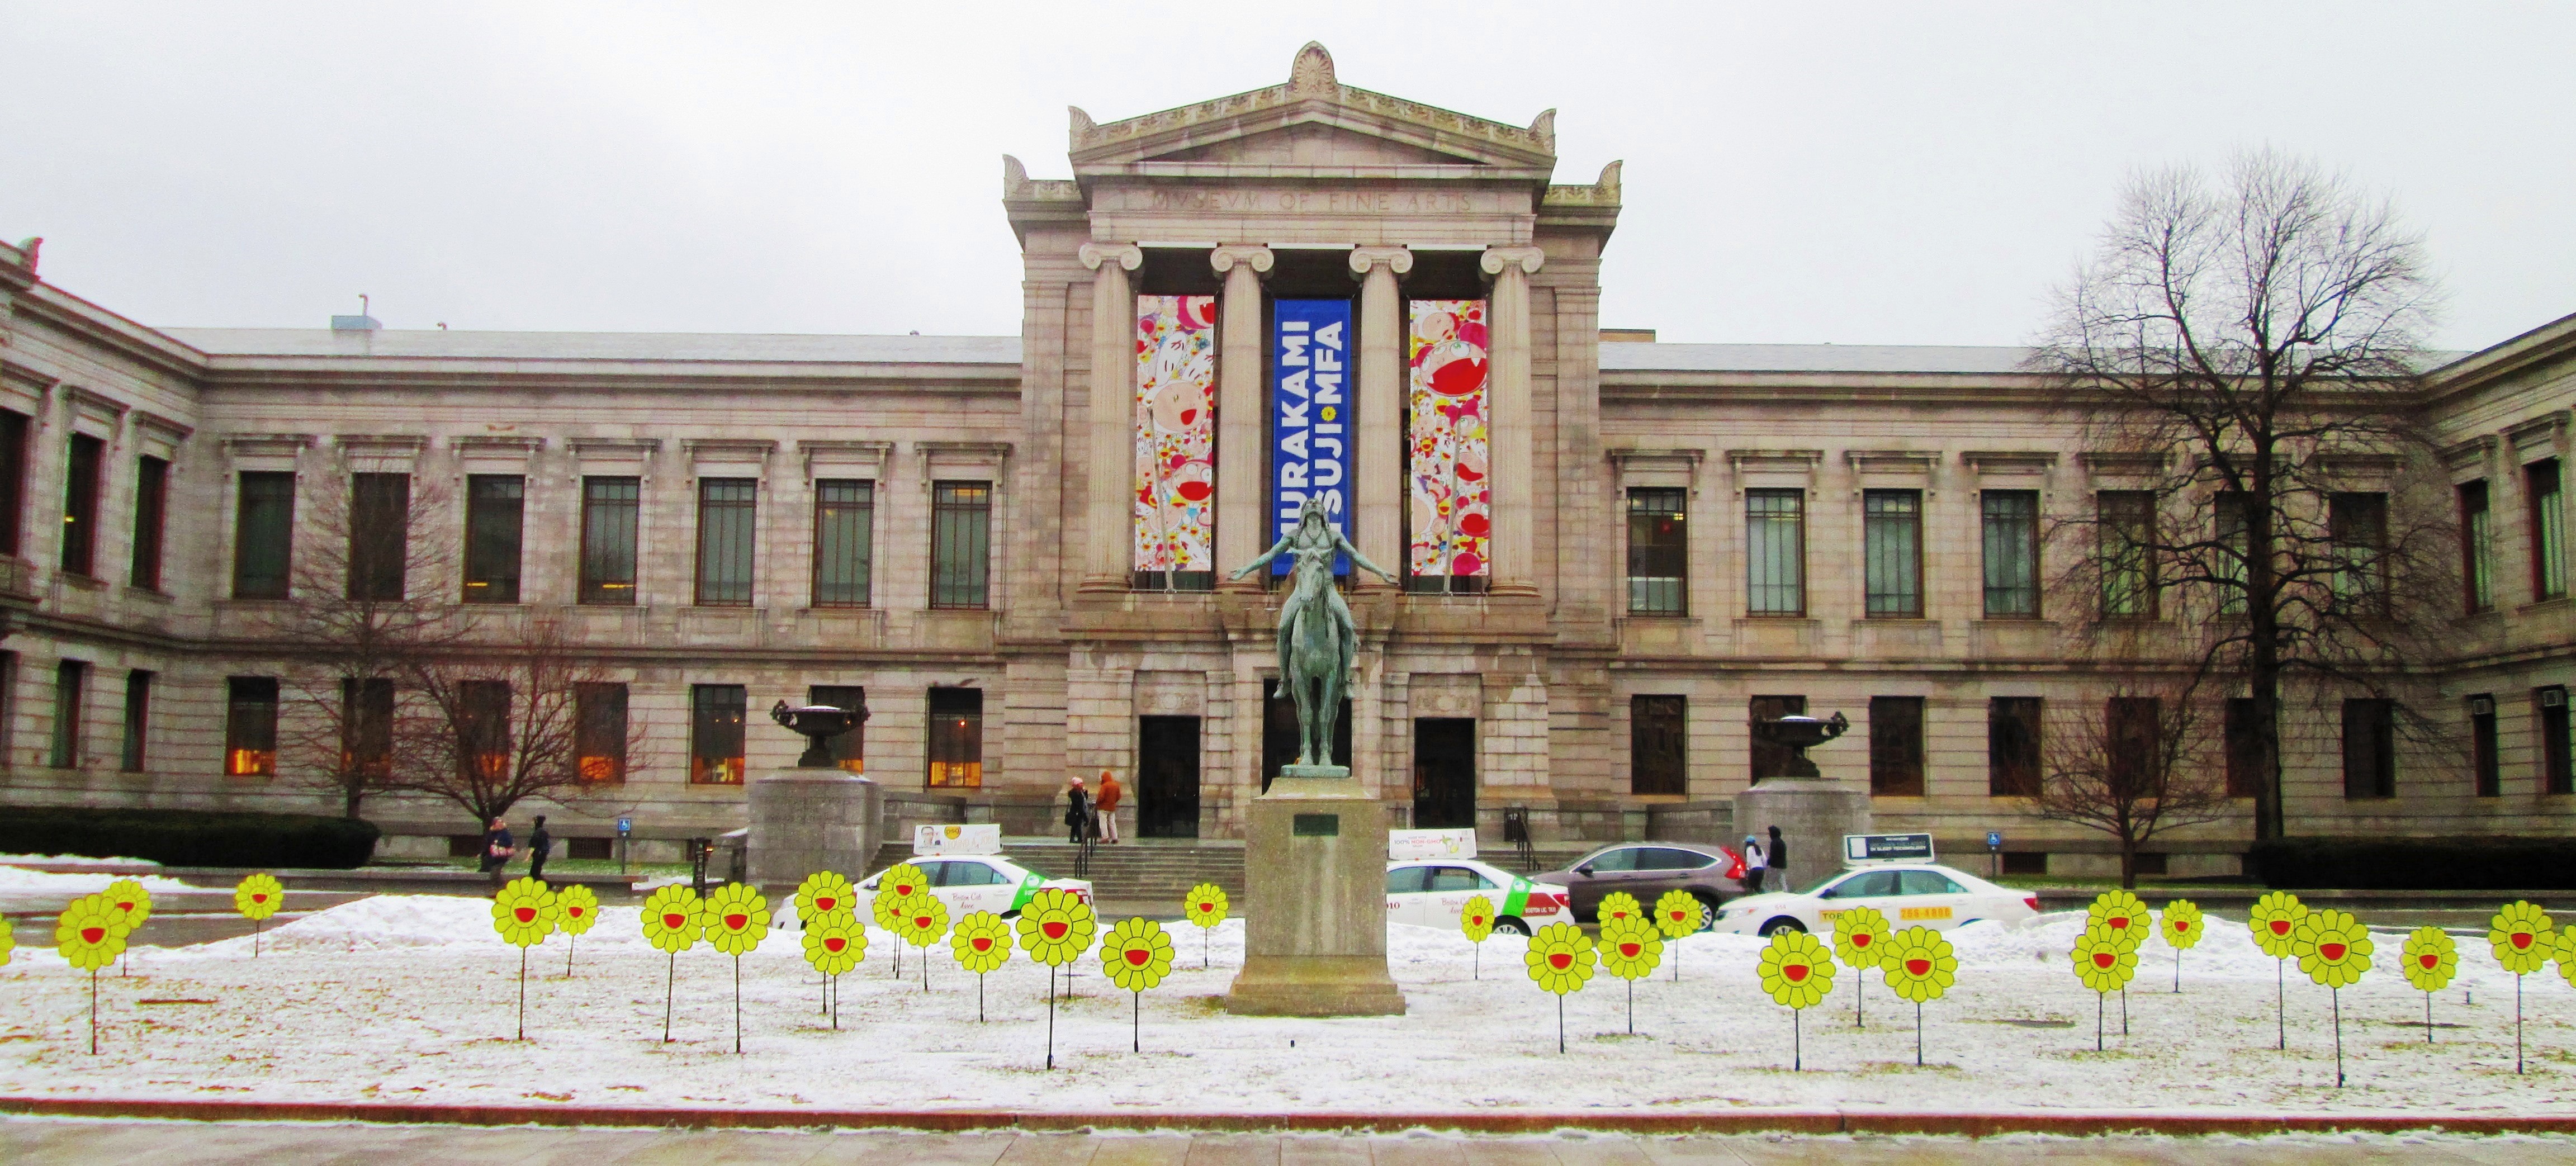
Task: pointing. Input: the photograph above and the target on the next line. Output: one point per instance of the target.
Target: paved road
(44, 1142)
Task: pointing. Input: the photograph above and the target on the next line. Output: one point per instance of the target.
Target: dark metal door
(1167, 777)
(1444, 772)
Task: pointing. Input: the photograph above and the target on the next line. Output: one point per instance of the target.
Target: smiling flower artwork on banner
(1175, 484)
(1448, 448)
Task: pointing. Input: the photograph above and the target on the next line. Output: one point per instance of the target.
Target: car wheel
(1779, 925)
(1708, 907)
(1510, 926)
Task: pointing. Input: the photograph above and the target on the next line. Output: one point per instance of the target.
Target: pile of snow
(21, 880)
(72, 860)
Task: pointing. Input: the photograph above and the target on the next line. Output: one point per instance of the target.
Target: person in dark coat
(498, 846)
(1077, 810)
(540, 844)
(1777, 858)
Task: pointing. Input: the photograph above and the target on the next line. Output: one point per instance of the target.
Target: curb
(1795, 1121)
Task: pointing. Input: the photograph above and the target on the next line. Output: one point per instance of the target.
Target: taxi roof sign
(1867, 848)
(1404, 845)
(980, 838)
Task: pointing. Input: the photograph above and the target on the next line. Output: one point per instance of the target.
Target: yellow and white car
(1909, 894)
(1434, 892)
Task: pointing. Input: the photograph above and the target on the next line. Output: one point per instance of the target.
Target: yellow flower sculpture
(982, 942)
(2564, 951)
(1561, 958)
(8, 940)
(576, 909)
(1797, 969)
(1136, 955)
(1206, 904)
(2432, 957)
(923, 921)
(524, 912)
(259, 896)
(835, 942)
(1631, 949)
(1860, 936)
(2122, 913)
(131, 900)
(2520, 936)
(1680, 913)
(1919, 964)
(2333, 947)
(91, 933)
(1056, 926)
(2104, 960)
(823, 893)
(2274, 916)
(900, 881)
(1617, 905)
(1476, 918)
(2181, 925)
(737, 919)
(674, 919)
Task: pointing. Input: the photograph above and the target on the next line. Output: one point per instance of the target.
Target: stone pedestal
(1813, 814)
(805, 820)
(1315, 920)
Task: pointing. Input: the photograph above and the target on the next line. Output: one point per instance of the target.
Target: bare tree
(2136, 764)
(2246, 361)
(504, 721)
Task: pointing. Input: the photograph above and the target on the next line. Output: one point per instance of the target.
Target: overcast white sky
(1855, 173)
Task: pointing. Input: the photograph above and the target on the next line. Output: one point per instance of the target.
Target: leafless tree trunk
(2135, 764)
(2245, 364)
(499, 723)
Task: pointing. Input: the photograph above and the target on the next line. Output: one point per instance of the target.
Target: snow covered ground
(409, 998)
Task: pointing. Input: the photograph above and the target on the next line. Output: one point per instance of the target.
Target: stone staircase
(1142, 873)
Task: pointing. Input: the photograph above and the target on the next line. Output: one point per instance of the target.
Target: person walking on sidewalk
(1753, 863)
(1107, 806)
(1077, 810)
(540, 844)
(498, 846)
(1777, 858)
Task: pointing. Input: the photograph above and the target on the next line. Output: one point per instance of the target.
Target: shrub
(2416, 864)
(190, 837)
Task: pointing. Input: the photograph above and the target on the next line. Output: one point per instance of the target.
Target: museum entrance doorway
(1444, 773)
(1167, 777)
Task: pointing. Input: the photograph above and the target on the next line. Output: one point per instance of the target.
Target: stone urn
(819, 723)
(1798, 733)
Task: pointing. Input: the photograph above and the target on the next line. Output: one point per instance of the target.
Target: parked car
(1434, 893)
(1646, 870)
(1909, 894)
(982, 882)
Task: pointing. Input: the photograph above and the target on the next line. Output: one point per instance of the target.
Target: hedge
(2416, 864)
(189, 837)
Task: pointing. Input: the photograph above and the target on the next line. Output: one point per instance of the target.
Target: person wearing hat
(1077, 810)
(1754, 864)
(1105, 803)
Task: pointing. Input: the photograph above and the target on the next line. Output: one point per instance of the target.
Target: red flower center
(2521, 939)
(737, 922)
(2280, 927)
(824, 902)
(902, 889)
(2181, 925)
(1136, 957)
(674, 920)
(1561, 960)
(2332, 951)
(921, 921)
(1478, 920)
(982, 943)
(261, 897)
(127, 905)
(2429, 960)
(2104, 959)
(526, 914)
(93, 934)
(2118, 922)
(1205, 907)
(1796, 973)
(835, 944)
(1918, 967)
(1630, 950)
(1054, 929)
(575, 912)
(1861, 940)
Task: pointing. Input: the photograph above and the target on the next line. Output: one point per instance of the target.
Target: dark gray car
(1646, 870)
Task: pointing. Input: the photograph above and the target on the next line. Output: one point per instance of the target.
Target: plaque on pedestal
(1314, 941)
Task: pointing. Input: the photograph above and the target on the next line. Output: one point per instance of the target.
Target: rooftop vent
(362, 322)
(1627, 336)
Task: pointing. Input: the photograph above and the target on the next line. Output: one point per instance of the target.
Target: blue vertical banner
(1310, 417)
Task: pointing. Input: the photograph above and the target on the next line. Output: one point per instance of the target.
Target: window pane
(1657, 552)
(71, 678)
(13, 479)
(2228, 512)
(1896, 746)
(151, 520)
(379, 536)
(2125, 529)
(961, 516)
(715, 733)
(138, 719)
(599, 732)
(367, 726)
(495, 509)
(80, 504)
(2487, 778)
(850, 749)
(2557, 775)
(2369, 748)
(2133, 726)
(2012, 746)
(1775, 552)
(957, 737)
(2244, 752)
(844, 521)
(609, 508)
(2548, 530)
(2359, 525)
(2011, 520)
(725, 529)
(1656, 762)
(263, 529)
(2477, 548)
(250, 726)
(1892, 530)
(1770, 759)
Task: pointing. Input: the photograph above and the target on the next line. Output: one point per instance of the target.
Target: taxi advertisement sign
(980, 838)
(1858, 848)
(1404, 845)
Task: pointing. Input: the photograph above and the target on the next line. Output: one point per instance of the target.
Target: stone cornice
(2010, 461)
(496, 443)
(169, 427)
(1604, 193)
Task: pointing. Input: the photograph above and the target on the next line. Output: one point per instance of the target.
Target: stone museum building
(1614, 553)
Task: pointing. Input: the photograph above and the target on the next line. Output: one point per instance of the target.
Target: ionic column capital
(1527, 259)
(1395, 259)
(1129, 256)
(1258, 258)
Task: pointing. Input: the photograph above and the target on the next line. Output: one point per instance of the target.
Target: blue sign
(1310, 417)
(1994, 839)
(626, 825)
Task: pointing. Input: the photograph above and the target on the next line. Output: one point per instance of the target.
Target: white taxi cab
(1434, 893)
(1909, 894)
(981, 882)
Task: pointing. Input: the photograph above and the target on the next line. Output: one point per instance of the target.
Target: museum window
(80, 505)
(151, 521)
(495, 517)
(13, 480)
(2126, 528)
(2548, 529)
(1658, 552)
(2486, 774)
(2358, 524)
(2010, 521)
(599, 732)
(610, 508)
(1771, 759)
(2557, 776)
(2133, 730)
(850, 749)
(367, 726)
(1896, 746)
(2477, 548)
(1775, 552)
(956, 738)
(379, 536)
(1657, 754)
(2012, 746)
(1892, 552)
(726, 518)
(250, 726)
(961, 533)
(844, 541)
(138, 720)
(2369, 748)
(483, 727)
(2243, 748)
(715, 733)
(2228, 511)
(71, 680)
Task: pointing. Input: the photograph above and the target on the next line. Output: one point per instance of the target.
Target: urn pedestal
(805, 820)
(1813, 814)
(1315, 922)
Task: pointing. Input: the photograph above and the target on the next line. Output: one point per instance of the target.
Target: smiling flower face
(576, 909)
(737, 919)
(824, 893)
(2104, 961)
(1860, 936)
(2122, 913)
(1618, 905)
(2332, 946)
(524, 912)
(1680, 913)
(1205, 904)
(674, 919)
(131, 900)
(1797, 969)
(923, 920)
(1136, 954)
(982, 942)
(2429, 958)
(1631, 948)
(1561, 958)
(91, 933)
(835, 942)
(1919, 964)
(2181, 925)
(1476, 918)
(259, 896)
(899, 882)
(2520, 936)
(2275, 915)
(1056, 926)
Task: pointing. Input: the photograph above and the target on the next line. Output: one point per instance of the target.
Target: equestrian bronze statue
(1318, 640)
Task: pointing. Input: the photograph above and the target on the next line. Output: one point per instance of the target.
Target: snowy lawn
(409, 998)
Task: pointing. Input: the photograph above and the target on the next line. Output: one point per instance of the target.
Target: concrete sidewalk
(48, 1141)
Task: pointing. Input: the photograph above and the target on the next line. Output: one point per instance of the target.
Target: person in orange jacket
(1107, 806)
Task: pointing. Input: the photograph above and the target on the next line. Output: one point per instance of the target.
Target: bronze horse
(1318, 640)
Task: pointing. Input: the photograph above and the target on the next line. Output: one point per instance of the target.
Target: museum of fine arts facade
(1615, 553)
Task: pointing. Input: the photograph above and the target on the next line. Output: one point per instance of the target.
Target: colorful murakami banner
(2104, 960)
(1310, 417)
(1136, 955)
(1448, 447)
(1205, 906)
(1797, 969)
(1919, 965)
(982, 942)
(257, 897)
(1630, 948)
(2273, 918)
(1175, 482)
(673, 919)
(2334, 950)
(1677, 914)
(737, 920)
(2181, 929)
(835, 942)
(1055, 929)
(579, 908)
(2519, 936)
(2431, 958)
(1860, 938)
(525, 913)
(90, 935)
(1560, 959)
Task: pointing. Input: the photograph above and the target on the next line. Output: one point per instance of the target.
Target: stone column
(1379, 498)
(1110, 515)
(1242, 415)
(1515, 510)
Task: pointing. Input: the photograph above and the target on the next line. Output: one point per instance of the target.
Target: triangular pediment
(1314, 143)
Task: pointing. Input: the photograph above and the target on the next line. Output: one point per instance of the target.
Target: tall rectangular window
(2548, 529)
(1892, 551)
(495, 513)
(379, 536)
(2229, 512)
(71, 681)
(2245, 773)
(2012, 746)
(151, 520)
(2369, 748)
(726, 520)
(2477, 548)
(1775, 552)
(250, 726)
(2359, 527)
(80, 504)
(1896, 746)
(715, 734)
(599, 732)
(138, 720)
(1772, 760)
(1658, 552)
(2011, 522)
(2133, 729)
(844, 541)
(2483, 767)
(609, 509)
(957, 738)
(2557, 776)
(1657, 757)
(850, 749)
(263, 534)
(367, 726)
(961, 535)
(485, 726)
(13, 480)
(2126, 527)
